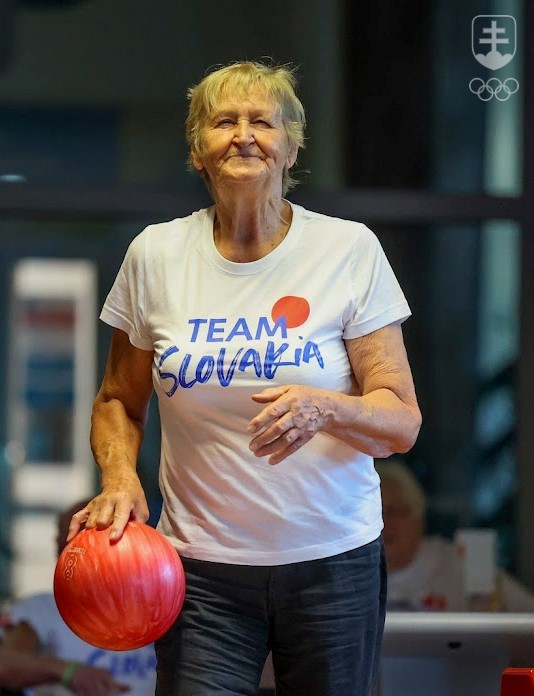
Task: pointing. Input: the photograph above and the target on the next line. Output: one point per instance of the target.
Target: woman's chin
(244, 177)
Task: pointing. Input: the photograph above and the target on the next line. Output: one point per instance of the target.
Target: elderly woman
(272, 337)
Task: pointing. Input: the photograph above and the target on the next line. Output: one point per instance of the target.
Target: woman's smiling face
(244, 141)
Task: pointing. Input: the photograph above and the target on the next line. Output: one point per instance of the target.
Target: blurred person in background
(272, 336)
(36, 629)
(21, 670)
(425, 572)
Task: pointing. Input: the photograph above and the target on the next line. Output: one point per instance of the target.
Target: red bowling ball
(119, 595)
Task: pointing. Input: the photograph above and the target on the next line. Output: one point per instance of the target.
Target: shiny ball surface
(119, 595)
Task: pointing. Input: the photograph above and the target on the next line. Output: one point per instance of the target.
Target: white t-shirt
(433, 581)
(222, 331)
(137, 668)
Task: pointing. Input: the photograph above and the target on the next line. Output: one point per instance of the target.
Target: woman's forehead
(254, 99)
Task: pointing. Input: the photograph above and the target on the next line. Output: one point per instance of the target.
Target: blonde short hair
(407, 486)
(279, 83)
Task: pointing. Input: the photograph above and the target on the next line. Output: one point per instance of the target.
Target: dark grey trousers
(322, 619)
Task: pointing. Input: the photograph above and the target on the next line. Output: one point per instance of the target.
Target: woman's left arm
(383, 420)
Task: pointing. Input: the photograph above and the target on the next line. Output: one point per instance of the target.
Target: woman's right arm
(119, 415)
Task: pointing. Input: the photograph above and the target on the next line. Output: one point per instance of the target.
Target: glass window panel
(385, 86)
(127, 70)
(413, 120)
(462, 284)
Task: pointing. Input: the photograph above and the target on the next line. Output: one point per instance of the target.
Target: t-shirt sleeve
(376, 296)
(124, 307)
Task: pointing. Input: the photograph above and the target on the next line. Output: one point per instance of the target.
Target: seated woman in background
(425, 572)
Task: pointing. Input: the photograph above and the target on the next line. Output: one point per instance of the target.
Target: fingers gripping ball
(119, 595)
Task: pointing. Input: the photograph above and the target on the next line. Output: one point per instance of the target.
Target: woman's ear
(197, 162)
(292, 156)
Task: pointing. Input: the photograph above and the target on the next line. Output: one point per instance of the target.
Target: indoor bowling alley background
(92, 105)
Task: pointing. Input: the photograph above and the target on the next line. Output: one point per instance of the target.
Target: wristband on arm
(68, 672)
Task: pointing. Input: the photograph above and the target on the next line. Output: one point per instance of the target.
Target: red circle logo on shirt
(295, 310)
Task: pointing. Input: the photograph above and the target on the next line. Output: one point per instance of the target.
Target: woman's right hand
(120, 501)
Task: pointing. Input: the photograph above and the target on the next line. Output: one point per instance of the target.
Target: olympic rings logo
(493, 88)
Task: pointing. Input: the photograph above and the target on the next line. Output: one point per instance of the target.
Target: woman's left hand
(294, 415)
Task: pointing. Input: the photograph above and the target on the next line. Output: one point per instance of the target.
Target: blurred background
(92, 106)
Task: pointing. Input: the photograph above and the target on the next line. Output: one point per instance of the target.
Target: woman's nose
(243, 133)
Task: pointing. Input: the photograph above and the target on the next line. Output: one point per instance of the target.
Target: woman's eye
(261, 122)
(225, 122)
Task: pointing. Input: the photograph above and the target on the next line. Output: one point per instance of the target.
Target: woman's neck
(245, 230)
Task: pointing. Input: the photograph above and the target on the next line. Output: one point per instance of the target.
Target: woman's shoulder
(177, 226)
(337, 226)
(169, 232)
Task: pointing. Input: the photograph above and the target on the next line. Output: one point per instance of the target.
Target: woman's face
(245, 142)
